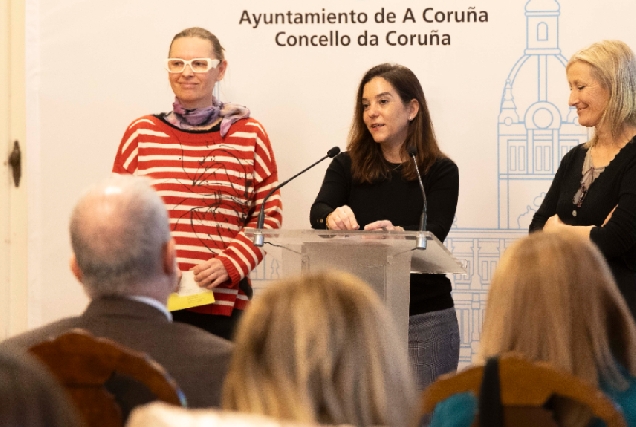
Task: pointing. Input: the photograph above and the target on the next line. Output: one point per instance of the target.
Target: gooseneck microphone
(420, 243)
(259, 239)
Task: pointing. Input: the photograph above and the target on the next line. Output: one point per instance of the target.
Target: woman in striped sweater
(212, 164)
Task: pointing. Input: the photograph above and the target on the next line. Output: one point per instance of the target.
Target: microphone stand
(259, 239)
(420, 242)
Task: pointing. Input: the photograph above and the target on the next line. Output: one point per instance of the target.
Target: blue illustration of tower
(536, 127)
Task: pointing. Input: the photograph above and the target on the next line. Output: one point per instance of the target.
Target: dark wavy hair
(367, 161)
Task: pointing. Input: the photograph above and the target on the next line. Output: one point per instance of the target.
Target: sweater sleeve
(619, 234)
(334, 191)
(241, 256)
(441, 183)
(549, 204)
(126, 157)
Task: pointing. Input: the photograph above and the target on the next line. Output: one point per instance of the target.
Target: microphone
(420, 243)
(259, 239)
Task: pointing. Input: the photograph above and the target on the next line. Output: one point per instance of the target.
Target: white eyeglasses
(197, 65)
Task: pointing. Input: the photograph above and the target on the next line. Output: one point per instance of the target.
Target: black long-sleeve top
(400, 202)
(614, 187)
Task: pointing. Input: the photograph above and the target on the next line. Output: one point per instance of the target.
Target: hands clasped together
(343, 218)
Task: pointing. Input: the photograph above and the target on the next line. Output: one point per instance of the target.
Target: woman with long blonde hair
(321, 349)
(553, 299)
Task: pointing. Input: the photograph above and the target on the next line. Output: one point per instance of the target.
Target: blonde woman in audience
(553, 299)
(160, 414)
(321, 349)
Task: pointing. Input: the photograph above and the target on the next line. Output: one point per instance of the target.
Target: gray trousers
(433, 345)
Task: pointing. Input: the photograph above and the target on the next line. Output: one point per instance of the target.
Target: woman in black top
(594, 190)
(374, 185)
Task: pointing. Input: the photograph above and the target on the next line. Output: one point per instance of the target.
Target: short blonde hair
(614, 65)
(321, 348)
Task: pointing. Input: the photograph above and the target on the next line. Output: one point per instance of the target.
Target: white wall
(96, 65)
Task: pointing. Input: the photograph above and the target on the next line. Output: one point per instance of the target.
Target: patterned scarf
(202, 118)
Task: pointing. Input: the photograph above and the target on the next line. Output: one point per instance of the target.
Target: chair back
(524, 389)
(104, 379)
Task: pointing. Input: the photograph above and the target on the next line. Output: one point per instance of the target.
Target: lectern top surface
(436, 258)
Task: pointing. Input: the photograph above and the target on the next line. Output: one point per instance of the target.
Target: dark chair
(105, 380)
(524, 389)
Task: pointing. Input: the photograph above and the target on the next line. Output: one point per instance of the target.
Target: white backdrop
(94, 66)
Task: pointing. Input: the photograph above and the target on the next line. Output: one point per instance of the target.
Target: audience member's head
(121, 240)
(553, 299)
(160, 414)
(322, 349)
(29, 396)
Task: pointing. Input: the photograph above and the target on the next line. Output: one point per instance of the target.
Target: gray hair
(118, 231)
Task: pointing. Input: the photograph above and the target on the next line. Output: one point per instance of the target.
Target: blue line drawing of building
(535, 128)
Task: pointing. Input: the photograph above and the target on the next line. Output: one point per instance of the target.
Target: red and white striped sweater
(213, 187)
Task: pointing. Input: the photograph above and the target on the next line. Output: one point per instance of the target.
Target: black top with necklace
(615, 187)
(400, 202)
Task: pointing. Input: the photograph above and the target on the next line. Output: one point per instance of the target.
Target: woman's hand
(342, 218)
(384, 224)
(210, 274)
(553, 223)
(609, 216)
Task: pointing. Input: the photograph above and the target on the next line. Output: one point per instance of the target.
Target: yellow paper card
(178, 302)
(189, 294)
